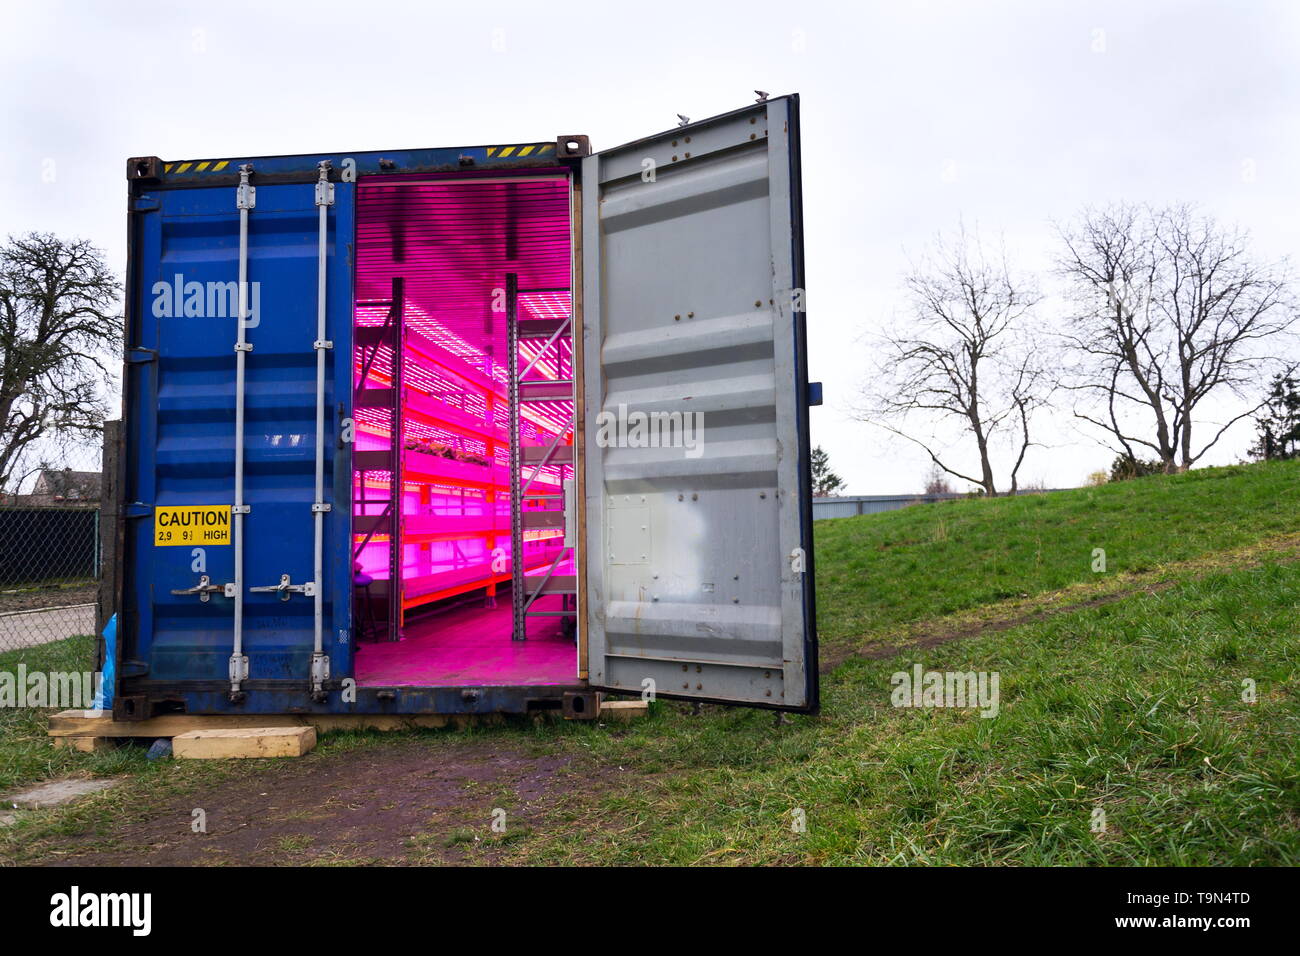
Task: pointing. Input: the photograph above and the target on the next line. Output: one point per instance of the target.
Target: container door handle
(205, 589)
(284, 588)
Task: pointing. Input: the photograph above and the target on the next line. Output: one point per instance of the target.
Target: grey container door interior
(698, 571)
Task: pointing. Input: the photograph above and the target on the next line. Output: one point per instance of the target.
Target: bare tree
(58, 325)
(965, 358)
(1170, 308)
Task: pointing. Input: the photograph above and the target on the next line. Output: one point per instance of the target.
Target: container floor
(470, 646)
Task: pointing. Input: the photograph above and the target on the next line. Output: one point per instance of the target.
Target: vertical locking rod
(320, 662)
(245, 199)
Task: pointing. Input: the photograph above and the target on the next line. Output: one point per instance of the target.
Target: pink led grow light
(452, 241)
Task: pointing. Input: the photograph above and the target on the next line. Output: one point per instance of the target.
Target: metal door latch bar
(205, 589)
(284, 588)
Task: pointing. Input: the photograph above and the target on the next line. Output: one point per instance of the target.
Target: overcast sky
(915, 115)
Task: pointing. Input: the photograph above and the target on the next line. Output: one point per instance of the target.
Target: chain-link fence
(50, 559)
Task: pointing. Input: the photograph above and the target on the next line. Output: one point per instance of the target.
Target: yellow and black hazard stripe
(520, 152)
(197, 166)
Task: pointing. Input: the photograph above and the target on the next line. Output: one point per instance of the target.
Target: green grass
(877, 572)
(26, 754)
(1133, 707)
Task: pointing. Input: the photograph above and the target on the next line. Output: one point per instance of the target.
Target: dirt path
(393, 802)
(1004, 615)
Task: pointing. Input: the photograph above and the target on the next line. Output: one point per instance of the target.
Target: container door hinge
(285, 589)
(139, 355)
(324, 188)
(133, 669)
(320, 673)
(245, 192)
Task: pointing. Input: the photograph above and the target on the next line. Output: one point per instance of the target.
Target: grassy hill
(1160, 696)
(878, 572)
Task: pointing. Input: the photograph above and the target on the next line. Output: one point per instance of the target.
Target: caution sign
(192, 525)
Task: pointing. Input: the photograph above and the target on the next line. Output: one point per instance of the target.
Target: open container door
(699, 578)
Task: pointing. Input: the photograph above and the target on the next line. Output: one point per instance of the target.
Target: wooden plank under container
(81, 724)
(249, 742)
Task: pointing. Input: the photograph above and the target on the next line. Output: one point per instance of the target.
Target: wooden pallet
(87, 731)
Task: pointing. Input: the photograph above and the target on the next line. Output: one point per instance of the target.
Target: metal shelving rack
(522, 390)
(369, 341)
